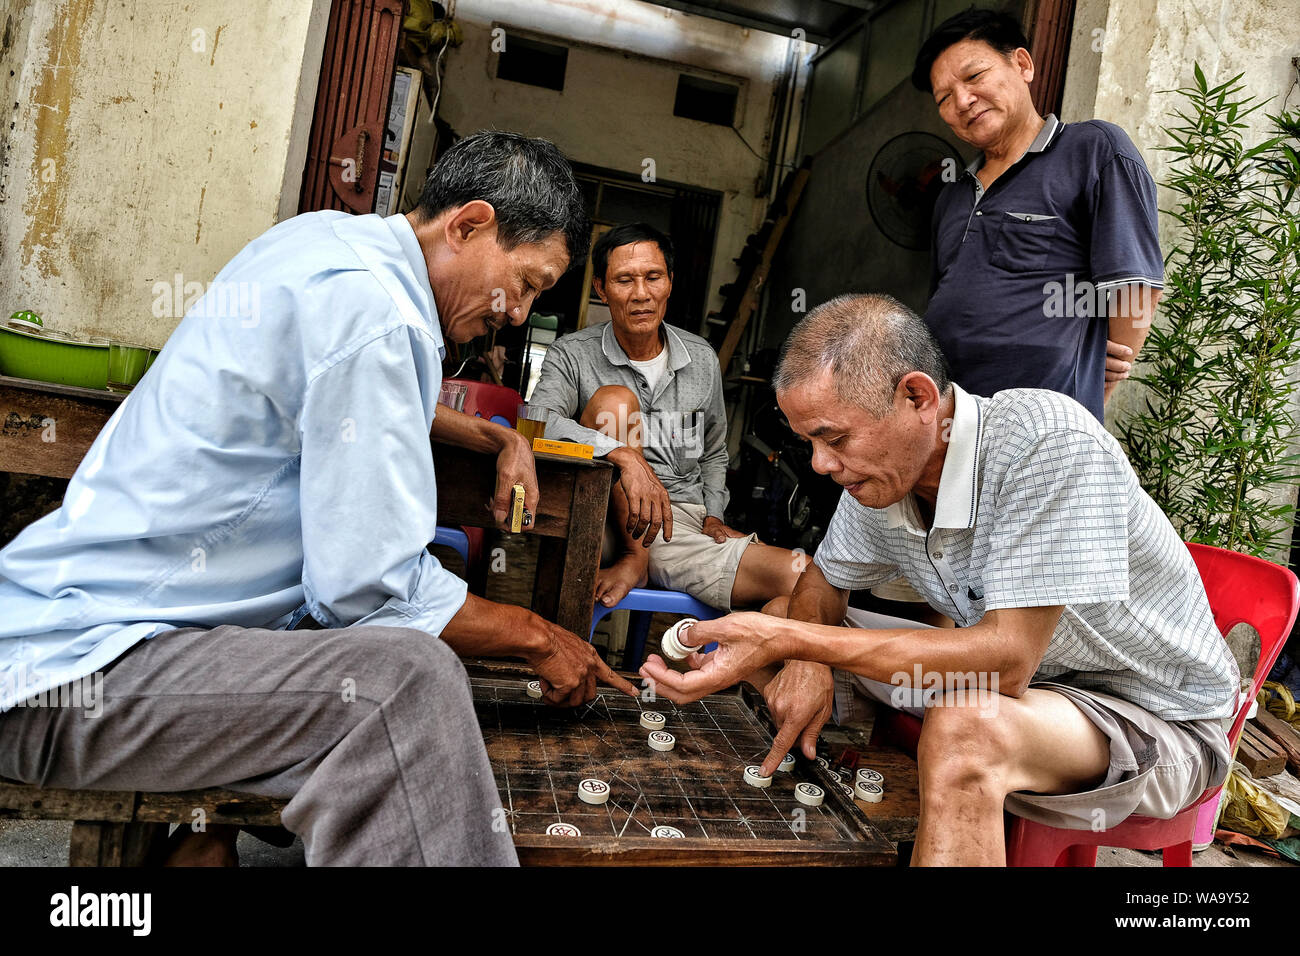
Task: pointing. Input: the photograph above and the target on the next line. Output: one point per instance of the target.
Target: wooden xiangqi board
(539, 754)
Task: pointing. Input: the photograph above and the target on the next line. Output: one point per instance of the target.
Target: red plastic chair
(500, 404)
(1241, 589)
(485, 400)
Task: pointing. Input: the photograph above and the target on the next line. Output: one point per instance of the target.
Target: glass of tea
(531, 422)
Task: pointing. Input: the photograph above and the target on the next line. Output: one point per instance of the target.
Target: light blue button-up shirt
(273, 462)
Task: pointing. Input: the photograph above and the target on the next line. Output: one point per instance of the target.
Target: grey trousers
(370, 730)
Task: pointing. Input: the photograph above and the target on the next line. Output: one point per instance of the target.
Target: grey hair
(869, 342)
(527, 181)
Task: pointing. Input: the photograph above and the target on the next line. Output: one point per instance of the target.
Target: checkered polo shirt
(1038, 505)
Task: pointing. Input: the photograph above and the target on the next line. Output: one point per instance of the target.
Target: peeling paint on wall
(52, 103)
(137, 153)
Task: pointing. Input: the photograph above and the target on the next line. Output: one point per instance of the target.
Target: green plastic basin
(28, 355)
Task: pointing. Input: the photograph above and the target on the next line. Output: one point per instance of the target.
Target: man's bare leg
(973, 753)
(766, 572)
(610, 412)
(214, 846)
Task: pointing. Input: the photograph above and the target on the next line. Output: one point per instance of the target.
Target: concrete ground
(45, 843)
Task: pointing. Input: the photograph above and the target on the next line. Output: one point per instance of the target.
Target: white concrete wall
(152, 138)
(616, 109)
(1148, 47)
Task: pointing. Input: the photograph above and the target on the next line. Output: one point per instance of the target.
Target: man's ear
(475, 218)
(599, 286)
(919, 390)
(1024, 63)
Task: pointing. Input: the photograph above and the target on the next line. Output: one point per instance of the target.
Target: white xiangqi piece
(534, 689)
(662, 740)
(868, 791)
(592, 790)
(787, 763)
(809, 794)
(652, 720)
(672, 647)
(870, 776)
(754, 777)
(671, 833)
(563, 829)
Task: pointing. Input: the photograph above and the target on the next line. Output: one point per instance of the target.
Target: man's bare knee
(777, 607)
(610, 411)
(962, 746)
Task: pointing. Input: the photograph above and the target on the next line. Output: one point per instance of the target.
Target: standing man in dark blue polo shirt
(1045, 248)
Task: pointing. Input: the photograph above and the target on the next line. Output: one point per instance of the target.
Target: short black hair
(527, 181)
(998, 30)
(625, 235)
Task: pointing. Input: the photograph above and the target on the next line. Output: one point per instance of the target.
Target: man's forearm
(483, 628)
(1132, 310)
(467, 431)
(816, 600)
(883, 654)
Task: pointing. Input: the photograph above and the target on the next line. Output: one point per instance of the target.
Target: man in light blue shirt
(274, 464)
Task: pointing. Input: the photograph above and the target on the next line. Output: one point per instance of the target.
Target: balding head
(868, 343)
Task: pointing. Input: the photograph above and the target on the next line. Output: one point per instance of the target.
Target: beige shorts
(1157, 767)
(898, 590)
(693, 562)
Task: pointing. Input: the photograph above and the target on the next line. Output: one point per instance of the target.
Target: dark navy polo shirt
(1021, 270)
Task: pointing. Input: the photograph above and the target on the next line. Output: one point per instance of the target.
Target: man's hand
(648, 507)
(515, 465)
(569, 667)
(747, 641)
(718, 531)
(799, 698)
(1119, 362)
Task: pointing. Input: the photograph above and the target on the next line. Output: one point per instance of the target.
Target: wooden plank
(899, 813)
(540, 850)
(566, 570)
(42, 433)
(22, 802)
(1282, 734)
(467, 481)
(93, 843)
(218, 806)
(1259, 764)
(754, 288)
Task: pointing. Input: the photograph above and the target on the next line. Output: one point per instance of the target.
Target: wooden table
(685, 807)
(47, 429)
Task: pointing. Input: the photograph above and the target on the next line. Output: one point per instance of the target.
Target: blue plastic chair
(453, 538)
(651, 600)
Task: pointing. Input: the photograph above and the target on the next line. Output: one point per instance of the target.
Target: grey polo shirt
(684, 421)
(1037, 506)
(1020, 272)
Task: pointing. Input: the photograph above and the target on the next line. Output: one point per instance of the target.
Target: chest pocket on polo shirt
(1024, 241)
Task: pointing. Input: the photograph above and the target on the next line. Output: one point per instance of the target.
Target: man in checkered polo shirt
(1086, 679)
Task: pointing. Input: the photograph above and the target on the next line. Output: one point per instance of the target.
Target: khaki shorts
(898, 590)
(1157, 767)
(693, 562)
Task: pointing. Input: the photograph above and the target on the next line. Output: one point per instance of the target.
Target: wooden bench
(128, 827)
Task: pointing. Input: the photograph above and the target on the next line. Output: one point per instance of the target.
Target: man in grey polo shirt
(648, 398)
(1087, 680)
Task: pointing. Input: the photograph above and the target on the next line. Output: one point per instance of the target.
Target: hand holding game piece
(747, 641)
(799, 698)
